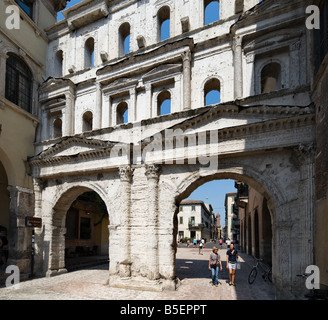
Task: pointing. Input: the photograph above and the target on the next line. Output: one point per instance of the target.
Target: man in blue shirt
(232, 256)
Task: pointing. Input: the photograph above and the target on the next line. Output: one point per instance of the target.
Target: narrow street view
(191, 269)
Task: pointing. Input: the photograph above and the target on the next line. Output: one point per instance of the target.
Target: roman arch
(142, 184)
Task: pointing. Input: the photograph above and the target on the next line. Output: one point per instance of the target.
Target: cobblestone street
(191, 269)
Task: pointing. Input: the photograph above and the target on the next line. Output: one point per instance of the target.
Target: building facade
(23, 60)
(101, 127)
(255, 223)
(196, 220)
(230, 216)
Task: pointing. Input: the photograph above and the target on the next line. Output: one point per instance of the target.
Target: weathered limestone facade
(144, 168)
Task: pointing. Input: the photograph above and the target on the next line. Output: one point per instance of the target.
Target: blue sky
(212, 192)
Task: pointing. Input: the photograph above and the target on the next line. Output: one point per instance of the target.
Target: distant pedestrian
(188, 243)
(221, 243)
(195, 242)
(228, 243)
(203, 242)
(232, 256)
(200, 247)
(213, 266)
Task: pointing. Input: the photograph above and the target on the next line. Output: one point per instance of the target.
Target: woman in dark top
(232, 256)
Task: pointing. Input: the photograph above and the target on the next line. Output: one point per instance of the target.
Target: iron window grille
(18, 83)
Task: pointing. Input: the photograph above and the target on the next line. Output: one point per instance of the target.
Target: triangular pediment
(55, 83)
(162, 70)
(73, 146)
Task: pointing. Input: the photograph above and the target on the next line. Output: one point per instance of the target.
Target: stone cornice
(285, 118)
(136, 57)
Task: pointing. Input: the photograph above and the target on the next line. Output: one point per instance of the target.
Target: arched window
(87, 121)
(212, 92)
(164, 103)
(271, 77)
(18, 82)
(59, 63)
(89, 50)
(163, 20)
(57, 129)
(211, 11)
(124, 39)
(122, 113)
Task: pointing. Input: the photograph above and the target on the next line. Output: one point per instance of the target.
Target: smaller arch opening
(89, 50)
(122, 113)
(164, 103)
(59, 58)
(124, 39)
(87, 121)
(212, 11)
(271, 77)
(212, 92)
(163, 18)
(57, 128)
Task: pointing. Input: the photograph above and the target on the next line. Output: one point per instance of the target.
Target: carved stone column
(305, 155)
(238, 67)
(186, 60)
(126, 173)
(44, 125)
(152, 173)
(98, 111)
(68, 115)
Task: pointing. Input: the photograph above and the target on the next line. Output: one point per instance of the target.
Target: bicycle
(267, 271)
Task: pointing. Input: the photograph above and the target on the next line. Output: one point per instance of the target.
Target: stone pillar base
(125, 270)
(144, 284)
(53, 273)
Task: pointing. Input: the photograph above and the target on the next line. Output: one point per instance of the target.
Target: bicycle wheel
(252, 276)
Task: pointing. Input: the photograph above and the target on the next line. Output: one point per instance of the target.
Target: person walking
(232, 256)
(213, 266)
(200, 247)
(220, 243)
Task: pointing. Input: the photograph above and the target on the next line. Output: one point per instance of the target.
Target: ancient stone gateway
(143, 183)
(103, 128)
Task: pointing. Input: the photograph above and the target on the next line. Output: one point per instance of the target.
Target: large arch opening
(80, 237)
(236, 221)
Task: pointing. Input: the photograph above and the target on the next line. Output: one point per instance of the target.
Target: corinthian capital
(186, 55)
(153, 171)
(126, 173)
